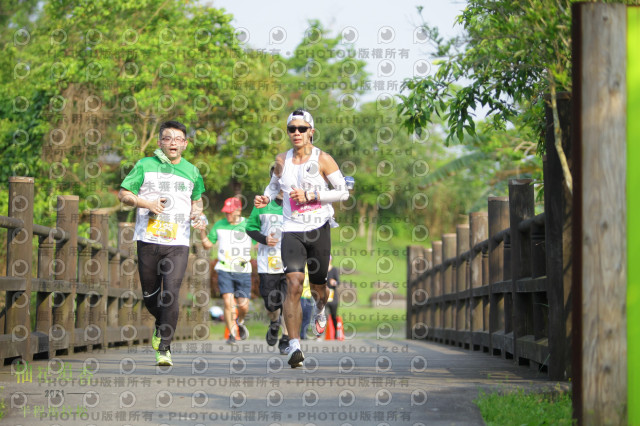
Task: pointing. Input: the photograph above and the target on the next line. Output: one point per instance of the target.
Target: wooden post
(437, 286)
(600, 221)
(19, 261)
(44, 319)
(66, 270)
(557, 208)
(99, 272)
(413, 252)
(127, 271)
(84, 300)
(521, 207)
(477, 233)
(448, 252)
(428, 308)
(498, 217)
(462, 302)
(113, 303)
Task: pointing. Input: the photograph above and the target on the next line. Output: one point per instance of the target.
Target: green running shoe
(163, 358)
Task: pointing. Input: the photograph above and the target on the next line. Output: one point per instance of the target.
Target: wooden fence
(501, 283)
(86, 293)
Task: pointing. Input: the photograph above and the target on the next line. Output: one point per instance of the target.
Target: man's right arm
(130, 199)
(272, 190)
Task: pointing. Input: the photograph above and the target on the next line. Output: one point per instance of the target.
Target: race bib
(297, 209)
(330, 298)
(161, 229)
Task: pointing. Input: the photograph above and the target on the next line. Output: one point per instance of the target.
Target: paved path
(357, 382)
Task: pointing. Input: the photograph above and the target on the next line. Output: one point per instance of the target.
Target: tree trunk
(362, 214)
(371, 229)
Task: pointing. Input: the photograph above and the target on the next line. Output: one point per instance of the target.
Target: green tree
(85, 92)
(506, 61)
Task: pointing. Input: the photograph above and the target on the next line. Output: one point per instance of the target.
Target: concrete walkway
(356, 382)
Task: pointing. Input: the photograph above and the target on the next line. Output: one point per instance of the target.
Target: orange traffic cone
(329, 331)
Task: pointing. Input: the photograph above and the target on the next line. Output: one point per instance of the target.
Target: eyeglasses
(168, 139)
(301, 129)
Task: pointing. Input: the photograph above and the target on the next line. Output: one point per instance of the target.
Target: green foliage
(509, 53)
(519, 408)
(83, 95)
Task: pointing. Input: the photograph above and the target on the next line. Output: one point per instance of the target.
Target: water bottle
(349, 182)
(164, 202)
(202, 218)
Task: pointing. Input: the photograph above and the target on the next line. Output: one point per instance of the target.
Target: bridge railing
(501, 283)
(84, 293)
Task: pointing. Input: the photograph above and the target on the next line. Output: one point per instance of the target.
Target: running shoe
(231, 340)
(320, 320)
(155, 340)
(295, 358)
(243, 333)
(163, 358)
(272, 333)
(284, 345)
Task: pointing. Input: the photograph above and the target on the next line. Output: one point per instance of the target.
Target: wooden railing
(502, 282)
(86, 293)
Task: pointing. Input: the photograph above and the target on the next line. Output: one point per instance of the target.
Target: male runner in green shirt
(167, 191)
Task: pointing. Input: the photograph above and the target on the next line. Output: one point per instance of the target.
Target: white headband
(305, 116)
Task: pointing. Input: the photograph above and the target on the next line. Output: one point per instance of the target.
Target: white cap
(304, 116)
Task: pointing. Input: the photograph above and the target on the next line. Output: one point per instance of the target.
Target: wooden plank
(502, 287)
(531, 285)
(535, 350)
(13, 284)
(480, 291)
(51, 286)
(600, 226)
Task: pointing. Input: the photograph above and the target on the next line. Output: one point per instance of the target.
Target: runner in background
(265, 227)
(234, 265)
(333, 281)
(306, 303)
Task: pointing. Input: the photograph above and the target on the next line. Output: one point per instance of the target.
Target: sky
(386, 34)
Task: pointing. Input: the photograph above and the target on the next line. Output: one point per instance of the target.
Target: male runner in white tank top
(303, 174)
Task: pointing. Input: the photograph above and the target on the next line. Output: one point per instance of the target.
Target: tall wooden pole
(600, 240)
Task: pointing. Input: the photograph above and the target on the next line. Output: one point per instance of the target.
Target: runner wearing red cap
(234, 265)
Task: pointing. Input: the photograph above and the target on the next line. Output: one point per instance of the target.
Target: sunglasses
(301, 129)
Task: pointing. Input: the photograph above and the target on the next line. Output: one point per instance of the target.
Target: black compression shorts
(311, 248)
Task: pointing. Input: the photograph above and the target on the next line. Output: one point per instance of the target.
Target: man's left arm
(330, 170)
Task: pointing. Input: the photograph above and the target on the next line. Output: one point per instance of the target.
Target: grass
(366, 320)
(2, 405)
(520, 408)
(360, 269)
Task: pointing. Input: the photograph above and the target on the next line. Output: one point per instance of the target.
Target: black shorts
(273, 289)
(312, 248)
